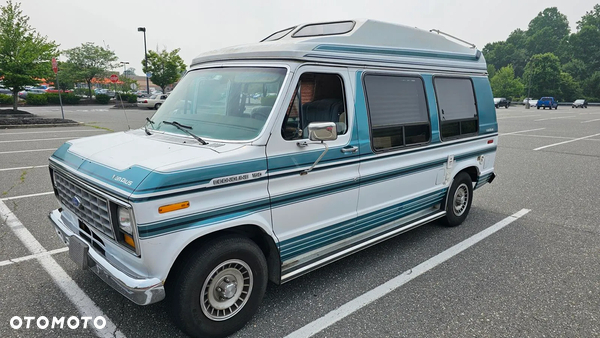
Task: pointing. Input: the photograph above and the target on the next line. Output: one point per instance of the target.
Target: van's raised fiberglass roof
(359, 42)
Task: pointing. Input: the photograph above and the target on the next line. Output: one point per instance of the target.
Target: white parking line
(38, 139)
(365, 299)
(516, 117)
(25, 196)
(554, 118)
(521, 131)
(57, 131)
(76, 295)
(30, 257)
(26, 151)
(25, 168)
(590, 121)
(569, 141)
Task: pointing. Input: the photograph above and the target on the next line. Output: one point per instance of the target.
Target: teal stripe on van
(397, 52)
(319, 238)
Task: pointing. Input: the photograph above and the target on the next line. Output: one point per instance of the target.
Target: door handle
(346, 150)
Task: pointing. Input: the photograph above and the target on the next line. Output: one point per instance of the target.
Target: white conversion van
(273, 159)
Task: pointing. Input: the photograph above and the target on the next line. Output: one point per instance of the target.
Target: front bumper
(142, 291)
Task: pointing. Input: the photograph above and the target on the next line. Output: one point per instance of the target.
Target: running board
(363, 245)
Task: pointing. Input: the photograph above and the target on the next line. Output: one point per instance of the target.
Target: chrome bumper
(142, 291)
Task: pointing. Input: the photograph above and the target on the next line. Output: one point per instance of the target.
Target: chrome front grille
(91, 209)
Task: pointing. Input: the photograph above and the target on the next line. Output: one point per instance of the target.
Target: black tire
(538, 107)
(217, 259)
(455, 215)
(497, 107)
(555, 108)
(506, 106)
(156, 106)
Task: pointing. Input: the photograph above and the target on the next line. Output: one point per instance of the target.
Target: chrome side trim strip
(363, 245)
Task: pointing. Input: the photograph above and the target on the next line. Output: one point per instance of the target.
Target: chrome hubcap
(226, 290)
(461, 199)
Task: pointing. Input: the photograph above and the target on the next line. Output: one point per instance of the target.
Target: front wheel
(458, 202)
(219, 288)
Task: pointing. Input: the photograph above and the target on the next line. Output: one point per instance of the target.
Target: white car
(152, 102)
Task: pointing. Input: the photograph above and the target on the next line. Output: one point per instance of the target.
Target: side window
(397, 110)
(457, 107)
(318, 98)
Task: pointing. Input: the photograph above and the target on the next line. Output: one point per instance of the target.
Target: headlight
(124, 216)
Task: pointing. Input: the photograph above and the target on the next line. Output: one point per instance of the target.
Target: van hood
(131, 161)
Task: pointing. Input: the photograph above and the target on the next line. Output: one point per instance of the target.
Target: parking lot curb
(17, 126)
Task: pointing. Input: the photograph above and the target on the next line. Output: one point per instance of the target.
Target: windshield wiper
(146, 126)
(184, 129)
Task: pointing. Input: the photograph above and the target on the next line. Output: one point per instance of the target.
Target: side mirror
(322, 131)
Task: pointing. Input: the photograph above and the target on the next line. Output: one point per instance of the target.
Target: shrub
(6, 99)
(81, 91)
(130, 98)
(37, 99)
(67, 98)
(102, 98)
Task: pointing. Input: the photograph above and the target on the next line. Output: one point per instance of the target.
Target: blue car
(547, 101)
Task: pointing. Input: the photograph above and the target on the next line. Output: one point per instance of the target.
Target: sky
(197, 26)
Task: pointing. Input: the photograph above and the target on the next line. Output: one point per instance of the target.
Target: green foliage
(130, 98)
(67, 98)
(504, 83)
(586, 47)
(37, 100)
(80, 91)
(591, 18)
(491, 70)
(166, 67)
(569, 88)
(6, 99)
(25, 55)
(591, 87)
(102, 98)
(576, 68)
(87, 62)
(542, 75)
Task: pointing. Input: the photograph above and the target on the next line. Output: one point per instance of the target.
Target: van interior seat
(326, 110)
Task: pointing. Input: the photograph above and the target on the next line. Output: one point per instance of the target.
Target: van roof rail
(453, 37)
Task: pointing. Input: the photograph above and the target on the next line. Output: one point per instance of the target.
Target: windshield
(222, 103)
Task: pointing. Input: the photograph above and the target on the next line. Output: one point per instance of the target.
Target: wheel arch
(253, 232)
(473, 173)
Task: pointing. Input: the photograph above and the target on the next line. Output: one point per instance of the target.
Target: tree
(546, 31)
(592, 87)
(491, 70)
(25, 55)
(591, 18)
(129, 72)
(166, 67)
(504, 83)
(569, 88)
(576, 68)
(543, 76)
(585, 45)
(88, 61)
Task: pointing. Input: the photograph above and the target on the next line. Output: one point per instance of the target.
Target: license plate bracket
(78, 251)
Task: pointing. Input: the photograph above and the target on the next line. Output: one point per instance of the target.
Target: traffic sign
(114, 78)
(54, 66)
(149, 74)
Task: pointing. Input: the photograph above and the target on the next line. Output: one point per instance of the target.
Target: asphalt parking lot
(537, 275)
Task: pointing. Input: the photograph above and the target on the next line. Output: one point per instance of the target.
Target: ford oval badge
(76, 201)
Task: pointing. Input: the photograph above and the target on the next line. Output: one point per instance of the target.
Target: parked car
(501, 102)
(526, 100)
(533, 103)
(55, 91)
(23, 94)
(5, 91)
(581, 103)
(153, 102)
(547, 101)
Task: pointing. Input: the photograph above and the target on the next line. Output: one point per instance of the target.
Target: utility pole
(143, 29)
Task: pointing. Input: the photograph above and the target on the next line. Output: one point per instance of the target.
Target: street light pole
(143, 29)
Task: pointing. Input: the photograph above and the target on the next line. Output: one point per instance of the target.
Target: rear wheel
(458, 202)
(219, 288)
(156, 106)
